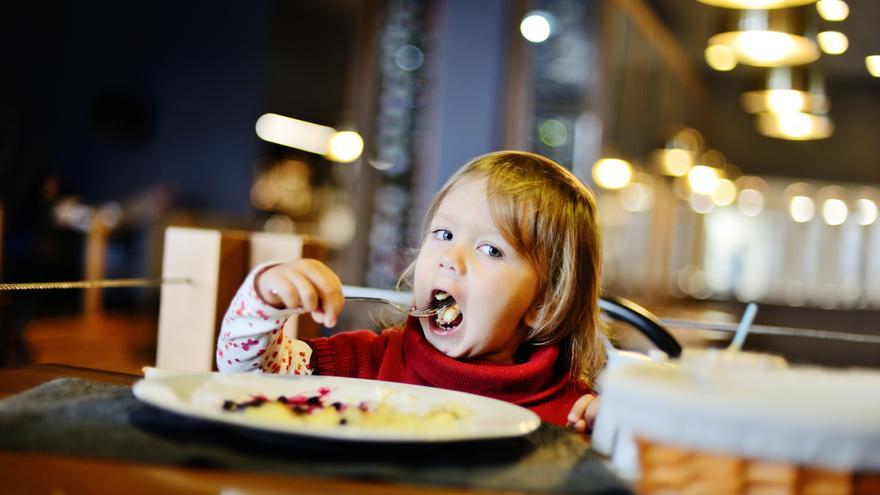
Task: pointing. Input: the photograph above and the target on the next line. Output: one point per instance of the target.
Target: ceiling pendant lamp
(769, 38)
(756, 4)
(787, 89)
(794, 126)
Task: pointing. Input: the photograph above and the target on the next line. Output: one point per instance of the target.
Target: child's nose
(453, 259)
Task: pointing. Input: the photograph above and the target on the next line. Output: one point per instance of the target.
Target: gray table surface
(76, 417)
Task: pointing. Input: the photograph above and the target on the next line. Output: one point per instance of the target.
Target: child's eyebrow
(440, 217)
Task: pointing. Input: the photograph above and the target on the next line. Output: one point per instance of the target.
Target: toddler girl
(512, 239)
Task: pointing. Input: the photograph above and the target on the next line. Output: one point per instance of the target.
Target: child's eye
(442, 234)
(491, 251)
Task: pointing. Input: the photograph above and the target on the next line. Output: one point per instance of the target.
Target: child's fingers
(329, 290)
(308, 296)
(275, 290)
(305, 284)
(286, 292)
(591, 411)
(577, 418)
(579, 407)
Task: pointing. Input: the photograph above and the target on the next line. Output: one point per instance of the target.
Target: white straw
(744, 324)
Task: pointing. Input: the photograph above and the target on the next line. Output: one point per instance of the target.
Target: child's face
(466, 256)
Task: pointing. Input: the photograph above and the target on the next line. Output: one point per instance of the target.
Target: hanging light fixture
(756, 4)
(787, 89)
(794, 126)
(769, 38)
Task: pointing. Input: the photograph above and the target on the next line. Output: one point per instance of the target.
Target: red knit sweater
(403, 355)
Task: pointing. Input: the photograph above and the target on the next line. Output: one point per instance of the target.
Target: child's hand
(583, 413)
(303, 284)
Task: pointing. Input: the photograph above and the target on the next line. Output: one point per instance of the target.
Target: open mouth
(450, 316)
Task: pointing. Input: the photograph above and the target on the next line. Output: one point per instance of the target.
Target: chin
(444, 344)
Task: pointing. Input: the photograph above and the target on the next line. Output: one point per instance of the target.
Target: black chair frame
(624, 310)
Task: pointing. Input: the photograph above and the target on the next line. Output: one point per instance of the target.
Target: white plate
(201, 395)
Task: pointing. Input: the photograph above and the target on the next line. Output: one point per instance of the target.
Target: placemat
(77, 417)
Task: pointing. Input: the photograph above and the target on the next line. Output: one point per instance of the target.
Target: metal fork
(393, 299)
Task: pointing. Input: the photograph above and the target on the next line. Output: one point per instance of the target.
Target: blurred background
(728, 169)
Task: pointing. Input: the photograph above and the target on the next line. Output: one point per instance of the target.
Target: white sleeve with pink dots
(252, 336)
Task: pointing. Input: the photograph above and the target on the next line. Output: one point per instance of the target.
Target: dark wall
(115, 98)
(119, 96)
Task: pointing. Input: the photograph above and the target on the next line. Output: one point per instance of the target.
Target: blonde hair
(549, 217)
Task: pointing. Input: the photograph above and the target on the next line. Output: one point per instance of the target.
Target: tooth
(440, 295)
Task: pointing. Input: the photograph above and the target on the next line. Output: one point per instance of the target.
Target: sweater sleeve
(252, 336)
(356, 354)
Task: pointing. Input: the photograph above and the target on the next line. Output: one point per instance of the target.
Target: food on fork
(447, 317)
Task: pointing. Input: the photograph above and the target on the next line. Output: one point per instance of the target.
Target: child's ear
(531, 316)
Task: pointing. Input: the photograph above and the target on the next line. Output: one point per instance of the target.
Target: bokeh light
(536, 26)
(720, 57)
(750, 202)
(612, 173)
(345, 147)
(553, 133)
(724, 193)
(832, 10)
(703, 179)
(832, 42)
(801, 209)
(867, 211)
(834, 211)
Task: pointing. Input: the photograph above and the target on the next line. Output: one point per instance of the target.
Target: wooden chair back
(215, 263)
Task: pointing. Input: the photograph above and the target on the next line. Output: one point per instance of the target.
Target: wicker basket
(668, 470)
